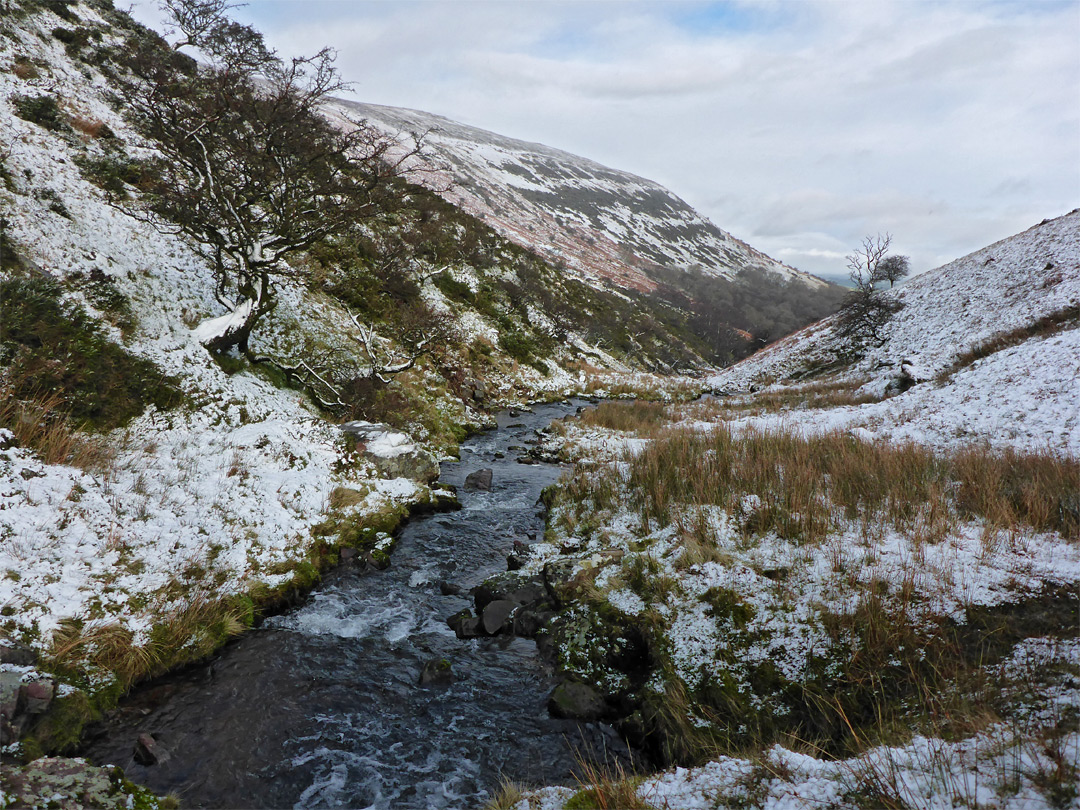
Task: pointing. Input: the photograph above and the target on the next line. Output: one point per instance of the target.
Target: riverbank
(377, 702)
(887, 622)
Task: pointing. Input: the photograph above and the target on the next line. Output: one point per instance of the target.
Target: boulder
(10, 689)
(464, 624)
(37, 695)
(148, 751)
(437, 672)
(519, 588)
(449, 588)
(479, 481)
(528, 621)
(11, 652)
(393, 453)
(496, 614)
(577, 701)
(415, 464)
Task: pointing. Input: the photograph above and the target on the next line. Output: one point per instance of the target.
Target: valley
(522, 485)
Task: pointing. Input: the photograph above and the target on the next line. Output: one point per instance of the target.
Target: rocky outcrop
(393, 454)
(25, 695)
(72, 784)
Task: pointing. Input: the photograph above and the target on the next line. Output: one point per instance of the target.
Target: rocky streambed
(366, 696)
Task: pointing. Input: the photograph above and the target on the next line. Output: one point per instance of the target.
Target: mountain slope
(985, 348)
(610, 228)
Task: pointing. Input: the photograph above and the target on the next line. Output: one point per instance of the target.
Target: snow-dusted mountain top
(603, 223)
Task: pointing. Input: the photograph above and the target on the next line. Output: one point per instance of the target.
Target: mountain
(610, 228)
(985, 348)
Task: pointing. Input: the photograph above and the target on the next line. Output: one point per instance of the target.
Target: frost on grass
(986, 349)
(741, 588)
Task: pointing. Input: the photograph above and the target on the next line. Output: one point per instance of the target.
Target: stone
(464, 624)
(507, 586)
(349, 554)
(529, 593)
(529, 621)
(10, 689)
(479, 481)
(11, 652)
(514, 562)
(71, 784)
(379, 560)
(449, 588)
(415, 464)
(577, 701)
(437, 672)
(148, 751)
(495, 615)
(37, 695)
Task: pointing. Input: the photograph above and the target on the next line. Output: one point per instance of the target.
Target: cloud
(799, 126)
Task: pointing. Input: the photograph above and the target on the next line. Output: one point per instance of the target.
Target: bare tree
(330, 374)
(892, 269)
(866, 309)
(249, 167)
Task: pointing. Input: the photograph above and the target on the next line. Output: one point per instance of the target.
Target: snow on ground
(1026, 396)
(206, 499)
(1003, 766)
(210, 498)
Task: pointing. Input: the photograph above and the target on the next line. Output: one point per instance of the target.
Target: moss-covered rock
(73, 784)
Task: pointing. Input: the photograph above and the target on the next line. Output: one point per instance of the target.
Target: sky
(800, 126)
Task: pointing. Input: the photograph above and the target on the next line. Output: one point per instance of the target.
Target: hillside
(844, 580)
(156, 498)
(612, 229)
(988, 345)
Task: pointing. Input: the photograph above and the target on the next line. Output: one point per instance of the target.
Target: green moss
(60, 729)
(726, 604)
(41, 110)
(116, 173)
(587, 799)
(97, 381)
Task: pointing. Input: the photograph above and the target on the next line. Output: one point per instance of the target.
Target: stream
(321, 707)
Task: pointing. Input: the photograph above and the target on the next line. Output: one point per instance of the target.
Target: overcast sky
(797, 125)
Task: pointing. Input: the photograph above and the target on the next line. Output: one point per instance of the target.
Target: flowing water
(321, 707)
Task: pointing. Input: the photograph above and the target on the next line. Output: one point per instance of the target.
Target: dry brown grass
(606, 789)
(25, 69)
(638, 416)
(183, 634)
(507, 796)
(822, 394)
(805, 486)
(38, 423)
(90, 127)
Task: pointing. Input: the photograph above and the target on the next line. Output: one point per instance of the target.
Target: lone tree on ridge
(866, 309)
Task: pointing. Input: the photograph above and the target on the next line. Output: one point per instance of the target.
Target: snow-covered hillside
(231, 483)
(191, 517)
(600, 222)
(1022, 386)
